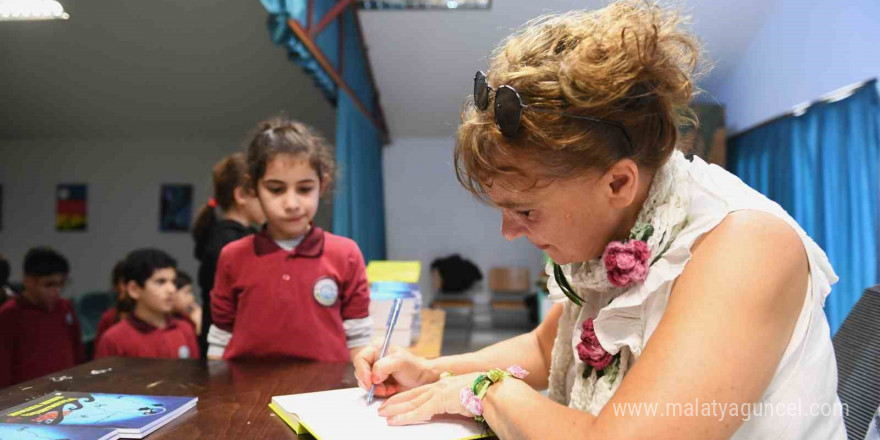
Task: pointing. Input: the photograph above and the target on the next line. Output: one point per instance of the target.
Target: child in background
(124, 304)
(39, 332)
(239, 211)
(292, 290)
(5, 291)
(185, 306)
(150, 331)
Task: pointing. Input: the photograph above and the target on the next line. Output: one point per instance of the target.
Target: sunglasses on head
(509, 108)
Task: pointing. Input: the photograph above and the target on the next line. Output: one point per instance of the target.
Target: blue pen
(389, 327)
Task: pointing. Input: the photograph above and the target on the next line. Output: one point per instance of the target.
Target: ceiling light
(425, 4)
(28, 10)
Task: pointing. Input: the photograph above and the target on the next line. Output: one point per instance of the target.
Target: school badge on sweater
(326, 292)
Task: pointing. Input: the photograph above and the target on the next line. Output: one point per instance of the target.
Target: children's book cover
(122, 411)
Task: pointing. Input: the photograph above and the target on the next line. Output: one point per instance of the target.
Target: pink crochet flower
(626, 262)
(517, 371)
(590, 350)
(470, 402)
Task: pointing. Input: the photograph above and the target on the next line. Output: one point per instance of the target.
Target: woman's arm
(531, 351)
(729, 319)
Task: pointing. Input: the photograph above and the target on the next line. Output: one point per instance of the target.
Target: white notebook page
(344, 414)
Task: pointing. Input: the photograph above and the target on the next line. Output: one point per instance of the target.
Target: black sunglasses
(509, 108)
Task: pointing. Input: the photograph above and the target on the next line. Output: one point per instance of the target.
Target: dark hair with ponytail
(229, 174)
(280, 135)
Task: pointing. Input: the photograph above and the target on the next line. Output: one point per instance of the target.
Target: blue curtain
(823, 167)
(279, 32)
(358, 205)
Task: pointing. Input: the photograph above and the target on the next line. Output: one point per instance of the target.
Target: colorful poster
(71, 203)
(175, 214)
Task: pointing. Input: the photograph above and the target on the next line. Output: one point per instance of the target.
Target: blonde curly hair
(630, 62)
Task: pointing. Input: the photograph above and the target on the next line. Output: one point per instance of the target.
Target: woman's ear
(622, 181)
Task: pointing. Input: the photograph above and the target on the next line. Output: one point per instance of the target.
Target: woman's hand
(420, 404)
(399, 370)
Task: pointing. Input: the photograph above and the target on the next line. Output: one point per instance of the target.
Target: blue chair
(89, 308)
(857, 347)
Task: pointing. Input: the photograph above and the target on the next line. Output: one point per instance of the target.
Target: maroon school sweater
(35, 341)
(135, 338)
(290, 304)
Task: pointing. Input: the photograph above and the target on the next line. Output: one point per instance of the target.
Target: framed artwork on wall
(175, 212)
(71, 207)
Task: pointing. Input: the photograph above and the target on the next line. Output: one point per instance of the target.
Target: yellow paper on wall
(399, 271)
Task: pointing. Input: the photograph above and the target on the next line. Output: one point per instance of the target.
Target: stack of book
(382, 296)
(390, 280)
(91, 416)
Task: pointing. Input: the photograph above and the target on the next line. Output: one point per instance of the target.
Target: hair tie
(212, 202)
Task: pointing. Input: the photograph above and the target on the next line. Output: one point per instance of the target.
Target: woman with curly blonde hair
(688, 305)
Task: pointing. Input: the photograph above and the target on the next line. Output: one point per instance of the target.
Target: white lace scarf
(666, 210)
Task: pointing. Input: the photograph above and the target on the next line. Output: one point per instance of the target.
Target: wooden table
(233, 396)
(430, 341)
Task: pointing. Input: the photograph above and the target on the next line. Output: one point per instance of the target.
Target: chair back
(857, 347)
(89, 308)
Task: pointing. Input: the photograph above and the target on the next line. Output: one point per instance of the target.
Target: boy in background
(185, 305)
(123, 307)
(5, 291)
(150, 331)
(39, 332)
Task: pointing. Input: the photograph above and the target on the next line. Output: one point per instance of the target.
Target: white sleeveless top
(801, 401)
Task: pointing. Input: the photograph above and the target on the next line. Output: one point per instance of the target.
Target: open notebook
(344, 414)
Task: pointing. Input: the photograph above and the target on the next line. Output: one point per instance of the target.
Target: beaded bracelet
(471, 397)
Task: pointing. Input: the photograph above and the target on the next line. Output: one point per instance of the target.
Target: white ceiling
(206, 68)
(424, 61)
(157, 69)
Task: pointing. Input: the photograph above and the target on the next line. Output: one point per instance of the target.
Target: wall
(126, 96)
(803, 51)
(123, 180)
(123, 177)
(429, 215)
(157, 69)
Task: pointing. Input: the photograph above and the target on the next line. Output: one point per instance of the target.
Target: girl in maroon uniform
(292, 290)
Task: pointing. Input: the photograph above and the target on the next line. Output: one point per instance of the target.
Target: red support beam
(338, 8)
(334, 75)
(310, 11)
